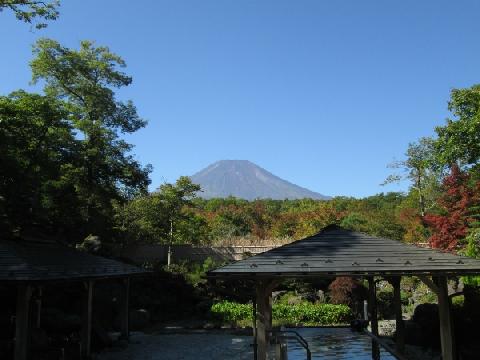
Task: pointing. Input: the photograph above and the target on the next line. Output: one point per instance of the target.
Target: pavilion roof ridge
(45, 261)
(338, 251)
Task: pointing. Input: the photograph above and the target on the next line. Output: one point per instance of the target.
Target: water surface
(334, 343)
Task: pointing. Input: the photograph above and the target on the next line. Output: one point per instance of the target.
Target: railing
(377, 341)
(280, 338)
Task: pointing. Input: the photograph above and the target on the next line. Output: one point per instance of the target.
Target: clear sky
(321, 93)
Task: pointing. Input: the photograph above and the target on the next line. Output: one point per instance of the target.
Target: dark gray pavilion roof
(48, 261)
(337, 251)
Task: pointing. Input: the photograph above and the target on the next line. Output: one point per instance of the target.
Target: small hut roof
(336, 251)
(47, 261)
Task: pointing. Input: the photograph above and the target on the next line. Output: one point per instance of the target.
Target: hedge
(303, 313)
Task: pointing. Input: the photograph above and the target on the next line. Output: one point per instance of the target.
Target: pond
(334, 343)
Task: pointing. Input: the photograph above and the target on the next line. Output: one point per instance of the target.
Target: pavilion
(335, 251)
(30, 265)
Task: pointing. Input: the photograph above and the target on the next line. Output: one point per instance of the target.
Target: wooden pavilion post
(22, 321)
(439, 286)
(264, 317)
(372, 302)
(125, 310)
(446, 333)
(86, 335)
(254, 328)
(38, 302)
(399, 325)
(261, 322)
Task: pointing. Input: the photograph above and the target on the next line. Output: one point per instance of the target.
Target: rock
(209, 326)
(277, 294)
(386, 327)
(455, 286)
(321, 296)
(91, 244)
(426, 315)
(427, 328)
(139, 319)
(310, 297)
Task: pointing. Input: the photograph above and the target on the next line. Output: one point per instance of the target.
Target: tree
(150, 218)
(459, 140)
(348, 291)
(85, 80)
(38, 160)
(452, 223)
(31, 10)
(419, 169)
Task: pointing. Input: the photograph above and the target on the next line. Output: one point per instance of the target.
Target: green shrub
(312, 314)
(304, 313)
(458, 301)
(230, 312)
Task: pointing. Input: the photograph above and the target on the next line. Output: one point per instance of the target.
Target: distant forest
(66, 172)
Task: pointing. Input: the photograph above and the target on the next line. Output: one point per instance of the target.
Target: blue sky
(322, 93)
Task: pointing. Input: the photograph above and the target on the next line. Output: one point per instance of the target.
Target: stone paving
(193, 346)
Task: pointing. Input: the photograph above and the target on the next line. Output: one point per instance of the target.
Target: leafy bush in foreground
(303, 313)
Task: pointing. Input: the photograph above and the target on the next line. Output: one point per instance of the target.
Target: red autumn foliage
(345, 290)
(457, 199)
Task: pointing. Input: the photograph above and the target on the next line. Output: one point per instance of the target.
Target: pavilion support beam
(264, 317)
(372, 302)
(430, 283)
(38, 320)
(125, 309)
(446, 333)
(268, 313)
(399, 325)
(86, 334)
(22, 321)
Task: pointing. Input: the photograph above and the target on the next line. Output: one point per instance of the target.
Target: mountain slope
(244, 179)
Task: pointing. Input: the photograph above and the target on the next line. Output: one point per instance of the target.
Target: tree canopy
(459, 140)
(32, 11)
(84, 80)
(64, 164)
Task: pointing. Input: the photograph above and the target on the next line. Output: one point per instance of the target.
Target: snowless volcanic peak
(246, 180)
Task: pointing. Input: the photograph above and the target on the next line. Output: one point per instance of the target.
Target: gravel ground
(182, 347)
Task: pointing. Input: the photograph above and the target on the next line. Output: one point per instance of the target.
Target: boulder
(277, 294)
(413, 333)
(426, 318)
(321, 298)
(209, 326)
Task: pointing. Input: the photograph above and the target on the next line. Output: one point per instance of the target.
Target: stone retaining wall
(158, 253)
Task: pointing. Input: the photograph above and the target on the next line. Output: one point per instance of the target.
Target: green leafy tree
(419, 169)
(151, 218)
(38, 165)
(32, 11)
(85, 80)
(176, 198)
(459, 140)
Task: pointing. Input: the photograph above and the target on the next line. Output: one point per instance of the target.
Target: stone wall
(158, 253)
